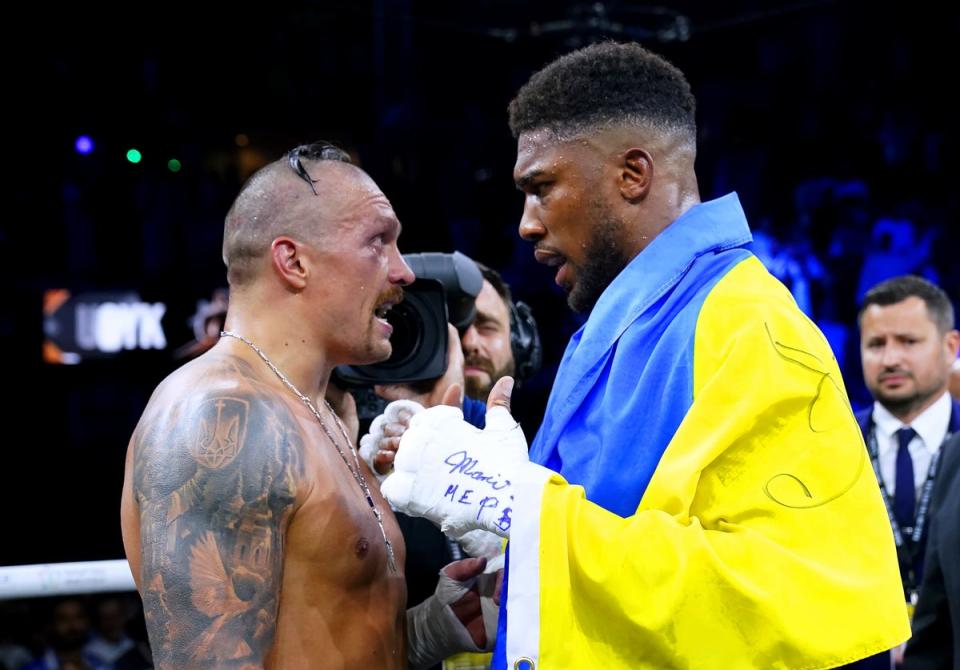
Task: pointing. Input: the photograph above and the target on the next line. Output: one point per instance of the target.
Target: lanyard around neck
(915, 534)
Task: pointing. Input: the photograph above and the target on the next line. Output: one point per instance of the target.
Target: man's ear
(952, 342)
(636, 174)
(286, 255)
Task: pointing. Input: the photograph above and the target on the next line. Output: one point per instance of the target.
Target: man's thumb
(465, 569)
(500, 394)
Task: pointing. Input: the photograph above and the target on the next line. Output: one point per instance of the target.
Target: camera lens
(407, 333)
(418, 341)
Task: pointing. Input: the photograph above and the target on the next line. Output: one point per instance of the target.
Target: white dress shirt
(931, 427)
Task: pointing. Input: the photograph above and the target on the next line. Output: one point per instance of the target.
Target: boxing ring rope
(54, 579)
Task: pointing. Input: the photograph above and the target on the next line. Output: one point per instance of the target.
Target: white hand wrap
(482, 543)
(433, 630)
(458, 476)
(370, 444)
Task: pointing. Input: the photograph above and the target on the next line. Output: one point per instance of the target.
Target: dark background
(797, 101)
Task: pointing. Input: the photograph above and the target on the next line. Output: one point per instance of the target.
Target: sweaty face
(604, 259)
(486, 344)
(363, 273)
(906, 359)
(568, 215)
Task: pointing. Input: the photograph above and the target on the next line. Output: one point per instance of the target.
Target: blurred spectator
(207, 323)
(111, 645)
(13, 656)
(13, 627)
(67, 637)
(896, 248)
(794, 263)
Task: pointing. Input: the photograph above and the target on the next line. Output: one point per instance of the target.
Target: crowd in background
(831, 124)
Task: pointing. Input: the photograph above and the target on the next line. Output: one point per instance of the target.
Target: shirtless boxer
(256, 536)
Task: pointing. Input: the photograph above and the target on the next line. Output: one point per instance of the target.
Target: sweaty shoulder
(215, 415)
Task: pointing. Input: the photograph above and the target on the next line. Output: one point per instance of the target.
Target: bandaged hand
(461, 615)
(378, 447)
(481, 543)
(458, 476)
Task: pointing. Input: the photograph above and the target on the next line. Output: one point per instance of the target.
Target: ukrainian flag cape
(715, 506)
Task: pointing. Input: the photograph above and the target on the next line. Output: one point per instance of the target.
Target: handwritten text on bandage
(461, 462)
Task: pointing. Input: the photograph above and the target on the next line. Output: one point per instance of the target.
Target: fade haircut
(605, 85)
(898, 289)
(267, 207)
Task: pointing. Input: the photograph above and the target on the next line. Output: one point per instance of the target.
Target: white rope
(53, 579)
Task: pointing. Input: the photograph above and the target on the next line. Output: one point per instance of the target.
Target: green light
(173, 165)
(134, 156)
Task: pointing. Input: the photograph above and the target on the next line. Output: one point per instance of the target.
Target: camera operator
(498, 338)
(501, 339)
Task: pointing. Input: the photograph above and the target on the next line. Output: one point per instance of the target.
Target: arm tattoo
(215, 478)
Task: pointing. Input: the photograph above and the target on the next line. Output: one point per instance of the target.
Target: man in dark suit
(908, 345)
(936, 624)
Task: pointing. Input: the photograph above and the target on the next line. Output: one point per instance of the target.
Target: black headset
(524, 340)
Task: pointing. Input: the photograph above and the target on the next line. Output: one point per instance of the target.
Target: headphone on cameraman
(524, 340)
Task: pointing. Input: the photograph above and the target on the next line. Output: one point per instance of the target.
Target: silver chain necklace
(354, 469)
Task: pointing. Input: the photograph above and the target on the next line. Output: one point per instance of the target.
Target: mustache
(479, 362)
(392, 294)
(540, 246)
(894, 372)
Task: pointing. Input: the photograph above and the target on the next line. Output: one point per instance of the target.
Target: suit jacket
(864, 418)
(936, 623)
(882, 661)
